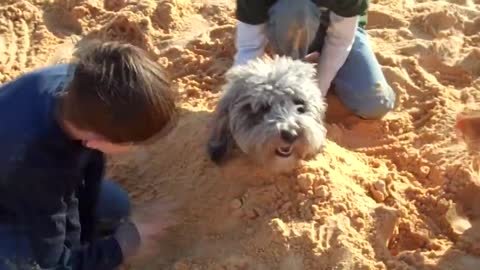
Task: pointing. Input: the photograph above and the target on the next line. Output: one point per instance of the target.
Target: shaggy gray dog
(273, 111)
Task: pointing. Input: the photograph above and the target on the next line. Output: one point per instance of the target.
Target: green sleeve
(345, 8)
(253, 11)
(256, 11)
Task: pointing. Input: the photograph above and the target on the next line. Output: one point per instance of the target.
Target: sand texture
(399, 193)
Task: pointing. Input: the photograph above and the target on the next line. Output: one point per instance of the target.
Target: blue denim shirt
(43, 173)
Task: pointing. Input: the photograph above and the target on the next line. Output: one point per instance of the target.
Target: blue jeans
(113, 207)
(297, 27)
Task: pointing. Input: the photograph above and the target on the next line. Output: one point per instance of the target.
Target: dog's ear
(221, 142)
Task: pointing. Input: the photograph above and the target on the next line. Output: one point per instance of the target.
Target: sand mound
(393, 194)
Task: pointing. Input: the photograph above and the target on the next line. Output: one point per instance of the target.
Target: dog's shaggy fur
(273, 111)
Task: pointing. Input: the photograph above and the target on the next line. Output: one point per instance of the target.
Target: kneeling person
(56, 123)
(333, 30)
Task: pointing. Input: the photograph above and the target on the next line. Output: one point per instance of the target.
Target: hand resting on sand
(139, 237)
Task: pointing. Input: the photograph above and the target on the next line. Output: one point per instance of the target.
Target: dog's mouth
(284, 151)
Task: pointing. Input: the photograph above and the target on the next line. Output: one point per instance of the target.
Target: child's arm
(127, 235)
(337, 46)
(105, 253)
(89, 193)
(44, 209)
(135, 237)
(45, 205)
(250, 42)
(340, 35)
(250, 39)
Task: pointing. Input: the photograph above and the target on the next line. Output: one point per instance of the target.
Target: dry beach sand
(399, 193)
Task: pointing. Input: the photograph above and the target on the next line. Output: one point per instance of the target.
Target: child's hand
(128, 238)
(312, 57)
(152, 219)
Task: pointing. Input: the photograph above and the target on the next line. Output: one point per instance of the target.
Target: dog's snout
(288, 136)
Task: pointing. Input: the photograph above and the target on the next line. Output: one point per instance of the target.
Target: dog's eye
(300, 105)
(265, 108)
(247, 108)
(298, 102)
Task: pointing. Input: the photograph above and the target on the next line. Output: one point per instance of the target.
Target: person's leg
(360, 83)
(292, 27)
(297, 27)
(113, 207)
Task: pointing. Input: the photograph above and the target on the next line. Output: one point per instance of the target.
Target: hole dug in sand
(382, 19)
(169, 13)
(126, 29)
(60, 20)
(115, 5)
(318, 216)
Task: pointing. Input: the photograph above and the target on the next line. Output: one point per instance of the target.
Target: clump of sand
(399, 193)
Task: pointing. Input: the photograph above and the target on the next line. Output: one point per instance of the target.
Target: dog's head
(272, 110)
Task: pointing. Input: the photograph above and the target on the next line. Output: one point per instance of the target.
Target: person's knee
(373, 103)
(113, 202)
(379, 101)
(292, 27)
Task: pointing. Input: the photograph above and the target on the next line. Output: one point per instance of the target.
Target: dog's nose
(288, 136)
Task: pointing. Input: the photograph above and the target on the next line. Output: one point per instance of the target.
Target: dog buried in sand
(272, 111)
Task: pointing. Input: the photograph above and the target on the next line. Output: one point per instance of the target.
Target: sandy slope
(392, 194)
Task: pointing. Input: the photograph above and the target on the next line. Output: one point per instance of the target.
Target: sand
(399, 193)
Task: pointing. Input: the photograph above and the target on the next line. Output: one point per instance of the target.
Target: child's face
(107, 147)
(97, 142)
